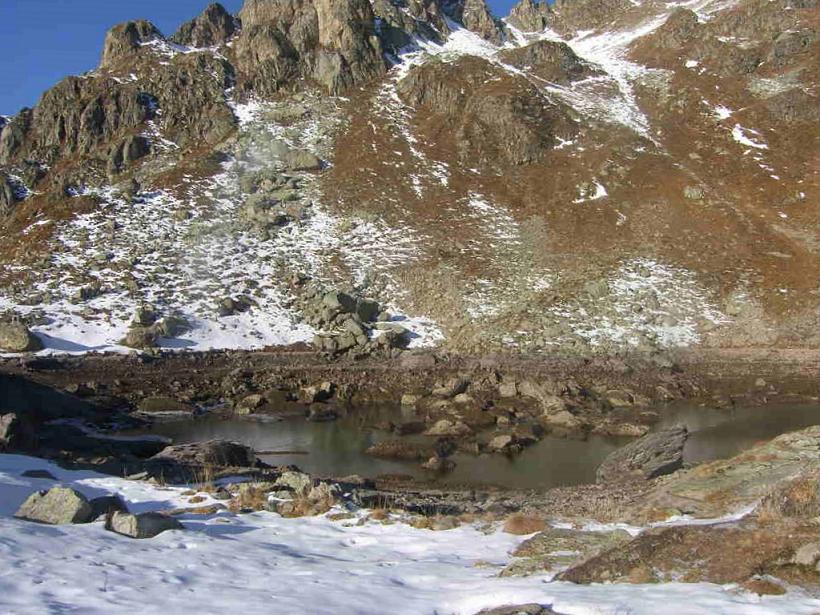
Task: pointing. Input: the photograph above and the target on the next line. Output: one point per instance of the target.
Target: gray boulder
(653, 455)
(15, 337)
(341, 302)
(8, 429)
(519, 609)
(214, 452)
(143, 525)
(57, 506)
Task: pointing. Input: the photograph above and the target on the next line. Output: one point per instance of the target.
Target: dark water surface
(337, 448)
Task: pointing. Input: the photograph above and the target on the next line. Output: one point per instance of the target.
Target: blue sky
(42, 41)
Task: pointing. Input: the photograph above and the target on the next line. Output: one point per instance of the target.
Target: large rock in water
(143, 525)
(57, 506)
(213, 452)
(651, 456)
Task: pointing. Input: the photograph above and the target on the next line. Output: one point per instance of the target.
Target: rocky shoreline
(61, 407)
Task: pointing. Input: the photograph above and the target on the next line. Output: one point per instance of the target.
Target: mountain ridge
(590, 176)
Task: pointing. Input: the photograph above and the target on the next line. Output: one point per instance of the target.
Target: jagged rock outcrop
(214, 26)
(492, 118)
(126, 38)
(678, 29)
(476, 16)
(105, 118)
(397, 22)
(530, 15)
(550, 60)
(9, 194)
(571, 16)
(330, 42)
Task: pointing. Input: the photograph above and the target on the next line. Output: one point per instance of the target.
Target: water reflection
(336, 449)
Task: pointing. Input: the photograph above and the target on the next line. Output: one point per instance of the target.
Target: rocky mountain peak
(475, 15)
(214, 26)
(124, 39)
(530, 15)
(331, 42)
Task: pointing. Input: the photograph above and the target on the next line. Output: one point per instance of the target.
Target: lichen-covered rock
(211, 453)
(141, 526)
(57, 506)
(16, 337)
(653, 455)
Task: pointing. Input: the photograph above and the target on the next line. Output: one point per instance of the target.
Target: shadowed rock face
(214, 26)
(397, 25)
(331, 42)
(530, 15)
(475, 16)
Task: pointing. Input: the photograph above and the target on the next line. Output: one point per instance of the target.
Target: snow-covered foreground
(261, 563)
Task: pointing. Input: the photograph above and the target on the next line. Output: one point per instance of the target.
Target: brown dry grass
(520, 524)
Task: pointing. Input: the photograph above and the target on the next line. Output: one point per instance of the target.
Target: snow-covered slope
(262, 563)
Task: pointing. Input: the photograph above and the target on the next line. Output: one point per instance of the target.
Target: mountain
(586, 176)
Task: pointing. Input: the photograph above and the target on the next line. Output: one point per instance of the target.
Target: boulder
(57, 506)
(141, 526)
(808, 555)
(531, 608)
(9, 424)
(16, 337)
(140, 338)
(451, 388)
(299, 483)
(448, 428)
(399, 449)
(367, 310)
(501, 443)
(213, 452)
(653, 455)
(322, 391)
(341, 302)
(161, 405)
